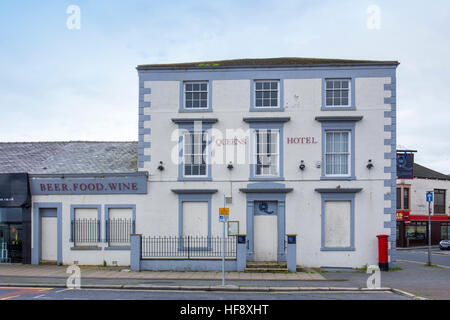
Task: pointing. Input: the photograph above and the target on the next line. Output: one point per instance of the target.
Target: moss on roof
(265, 62)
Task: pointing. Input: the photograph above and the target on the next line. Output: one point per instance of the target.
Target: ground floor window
(416, 231)
(445, 230)
(86, 227)
(119, 226)
(337, 224)
(11, 235)
(195, 218)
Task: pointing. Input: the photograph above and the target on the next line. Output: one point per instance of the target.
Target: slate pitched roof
(68, 157)
(265, 62)
(424, 172)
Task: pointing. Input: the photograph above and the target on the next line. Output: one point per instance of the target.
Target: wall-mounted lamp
(302, 165)
(160, 167)
(230, 165)
(369, 164)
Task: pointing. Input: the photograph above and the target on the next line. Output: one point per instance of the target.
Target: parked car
(444, 245)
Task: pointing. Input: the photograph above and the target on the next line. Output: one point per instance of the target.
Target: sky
(60, 83)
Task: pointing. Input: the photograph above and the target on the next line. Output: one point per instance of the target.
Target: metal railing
(118, 231)
(187, 247)
(85, 232)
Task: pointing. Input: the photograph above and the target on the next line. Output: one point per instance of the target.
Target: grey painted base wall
(187, 265)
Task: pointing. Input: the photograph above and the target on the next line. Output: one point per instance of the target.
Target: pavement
(52, 271)
(412, 280)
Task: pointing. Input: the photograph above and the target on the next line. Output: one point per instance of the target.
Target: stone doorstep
(267, 270)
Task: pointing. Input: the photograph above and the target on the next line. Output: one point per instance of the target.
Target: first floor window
(267, 152)
(399, 198)
(439, 201)
(405, 198)
(337, 153)
(195, 153)
(402, 197)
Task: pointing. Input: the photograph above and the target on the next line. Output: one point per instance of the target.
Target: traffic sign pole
(223, 246)
(429, 200)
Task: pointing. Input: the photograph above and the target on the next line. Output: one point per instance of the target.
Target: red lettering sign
(301, 140)
(69, 187)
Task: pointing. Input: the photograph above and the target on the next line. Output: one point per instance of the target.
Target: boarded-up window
(85, 227)
(119, 226)
(195, 218)
(337, 224)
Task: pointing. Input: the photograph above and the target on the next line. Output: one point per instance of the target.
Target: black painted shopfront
(15, 218)
(415, 233)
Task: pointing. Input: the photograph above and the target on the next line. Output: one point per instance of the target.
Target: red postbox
(383, 261)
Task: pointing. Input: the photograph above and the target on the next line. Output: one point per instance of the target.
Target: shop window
(416, 231)
(11, 235)
(445, 230)
(439, 201)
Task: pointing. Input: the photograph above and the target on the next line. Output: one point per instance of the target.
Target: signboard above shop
(14, 190)
(119, 184)
(405, 165)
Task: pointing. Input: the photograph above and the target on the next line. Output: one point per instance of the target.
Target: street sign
(429, 196)
(224, 213)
